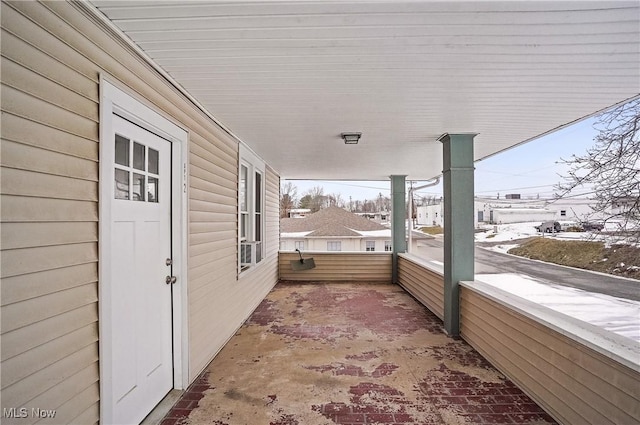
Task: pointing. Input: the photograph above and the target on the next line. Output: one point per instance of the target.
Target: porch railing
(577, 372)
(338, 266)
(424, 281)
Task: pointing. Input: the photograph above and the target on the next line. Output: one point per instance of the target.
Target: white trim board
(114, 98)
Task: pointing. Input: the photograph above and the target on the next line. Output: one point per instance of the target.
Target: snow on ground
(617, 315)
(577, 236)
(514, 231)
(504, 248)
(508, 232)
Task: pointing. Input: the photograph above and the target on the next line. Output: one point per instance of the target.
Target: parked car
(591, 225)
(549, 227)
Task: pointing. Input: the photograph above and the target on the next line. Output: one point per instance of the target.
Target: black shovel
(302, 263)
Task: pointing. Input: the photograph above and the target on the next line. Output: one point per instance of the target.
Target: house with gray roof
(333, 229)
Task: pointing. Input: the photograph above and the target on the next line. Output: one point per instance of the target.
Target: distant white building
(333, 229)
(515, 210)
(515, 215)
(382, 217)
(512, 210)
(430, 215)
(299, 212)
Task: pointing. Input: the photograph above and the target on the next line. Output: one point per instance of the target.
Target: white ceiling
(288, 77)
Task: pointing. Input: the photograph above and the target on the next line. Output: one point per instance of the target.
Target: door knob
(170, 280)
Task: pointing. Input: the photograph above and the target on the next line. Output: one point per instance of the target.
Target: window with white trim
(250, 210)
(387, 246)
(334, 246)
(370, 245)
(299, 245)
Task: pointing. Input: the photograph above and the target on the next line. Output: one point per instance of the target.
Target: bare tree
(369, 206)
(314, 199)
(335, 200)
(386, 203)
(288, 198)
(380, 202)
(611, 168)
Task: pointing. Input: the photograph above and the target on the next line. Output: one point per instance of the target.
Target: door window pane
(121, 184)
(138, 187)
(153, 161)
(138, 156)
(122, 150)
(153, 190)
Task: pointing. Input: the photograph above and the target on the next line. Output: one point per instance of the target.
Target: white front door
(140, 250)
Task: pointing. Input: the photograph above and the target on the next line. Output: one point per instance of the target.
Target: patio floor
(316, 354)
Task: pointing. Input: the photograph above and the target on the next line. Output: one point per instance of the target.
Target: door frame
(115, 98)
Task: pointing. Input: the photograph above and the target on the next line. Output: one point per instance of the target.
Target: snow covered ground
(613, 314)
(514, 231)
(508, 232)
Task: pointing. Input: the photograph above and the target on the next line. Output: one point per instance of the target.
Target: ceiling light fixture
(351, 138)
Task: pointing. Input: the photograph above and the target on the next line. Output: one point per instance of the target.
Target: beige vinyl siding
(24, 235)
(339, 266)
(60, 144)
(425, 284)
(272, 211)
(52, 57)
(212, 248)
(21, 209)
(244, 294)
(573, 382)
(49, 229)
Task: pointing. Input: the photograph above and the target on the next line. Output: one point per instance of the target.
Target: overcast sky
(530, 169)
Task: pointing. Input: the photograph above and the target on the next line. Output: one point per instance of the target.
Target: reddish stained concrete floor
(320, 354)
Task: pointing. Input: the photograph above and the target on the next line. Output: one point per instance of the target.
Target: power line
(521, 174)
(339, 183)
